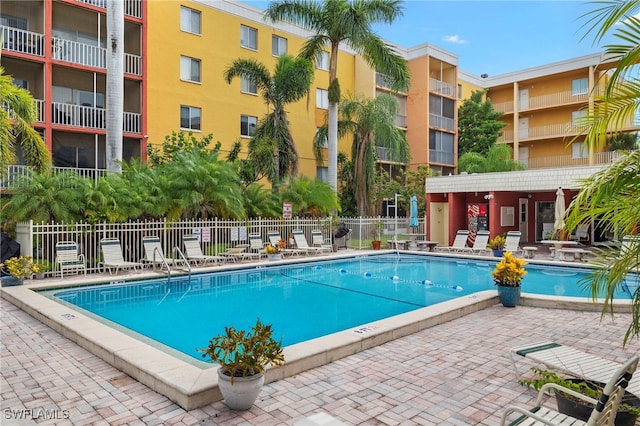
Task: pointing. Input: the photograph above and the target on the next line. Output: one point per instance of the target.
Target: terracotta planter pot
(376, 244)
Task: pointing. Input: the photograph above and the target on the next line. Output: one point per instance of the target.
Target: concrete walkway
(457, 373)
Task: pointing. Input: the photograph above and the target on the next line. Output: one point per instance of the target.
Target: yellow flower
(509, 271)
(19, 267)
(271, 249)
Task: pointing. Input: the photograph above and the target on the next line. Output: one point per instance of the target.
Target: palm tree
(17, 114)
(611, 194)
(336, 21)
(309, 197)
(115, 83)
(372, 123)
(272, 148)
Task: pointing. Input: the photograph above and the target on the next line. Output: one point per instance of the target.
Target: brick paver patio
(457, 373)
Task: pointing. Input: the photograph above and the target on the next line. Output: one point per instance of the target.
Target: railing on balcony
(22, 41)
(506, 136)
(40, 110)
(381, 81)
(131, 7)
(503, 107)
(560, 161)
(442, 87)
(442, 157)
(384, 154)
(92, 56)
(401, 120)
(14, 172)
(442, 122)
(91, 117)
(554, 99)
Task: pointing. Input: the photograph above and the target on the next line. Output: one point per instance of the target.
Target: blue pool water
(302, 301)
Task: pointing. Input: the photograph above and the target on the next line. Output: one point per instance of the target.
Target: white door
(523, 218)
(523, 155)
(523, 128)
(523, 99)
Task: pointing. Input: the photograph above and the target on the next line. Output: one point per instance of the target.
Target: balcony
(385, 155)
(561, 161)
(22, 41)
(545, 101)
(91, 56)
(441, 87)
(131, 7)
(381, 81)
(559, 130)
(89, 117)
(14, 172)
(441, 122)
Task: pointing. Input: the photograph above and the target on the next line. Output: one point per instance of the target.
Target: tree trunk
(332, 141)
(115, 84)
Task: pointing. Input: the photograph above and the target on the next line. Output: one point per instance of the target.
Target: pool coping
(191, 385)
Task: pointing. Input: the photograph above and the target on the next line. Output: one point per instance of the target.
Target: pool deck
(454, 373)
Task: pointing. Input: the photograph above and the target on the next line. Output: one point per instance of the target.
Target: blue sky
(493, 37)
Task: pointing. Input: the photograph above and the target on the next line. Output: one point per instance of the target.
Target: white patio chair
(67, 257)
(113, 258)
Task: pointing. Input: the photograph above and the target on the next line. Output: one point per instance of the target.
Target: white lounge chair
(113, 258)
(302, 244)
(604, 410)
(459, 243)
(274, 240)
(153, 253)
(67, 257)
(570, 361)
(256, 245)
(512, 243)
(318, 241)
(193, 252)
(479, 244)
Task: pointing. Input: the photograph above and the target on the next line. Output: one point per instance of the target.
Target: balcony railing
(442, 157)
(131, 7)
(560, 161)
(442, 122)
(401, 120)
(441, 87)
(384, 154)
(91, 56)
(554, 99)
(22, 41)
(503, 107)
(40, 110)
(14, 172)
(90, 117)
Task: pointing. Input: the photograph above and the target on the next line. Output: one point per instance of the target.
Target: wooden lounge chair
(194, 254)
(67, 257)
(570, 361)
(459, 243)
(113, 258)
(604, 410)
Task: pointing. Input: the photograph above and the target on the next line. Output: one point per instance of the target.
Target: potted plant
(243, 356)
(627, 414)
(40, 267)
(19, 268)
(273, 252)
(379, 226)
(507, 275)
(497, 245)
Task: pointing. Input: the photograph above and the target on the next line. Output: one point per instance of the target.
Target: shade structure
(414, 212)
(559, 211)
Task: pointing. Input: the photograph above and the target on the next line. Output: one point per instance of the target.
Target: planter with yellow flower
(508, 275)
(18, 268)
(497, 245)
(273, 252)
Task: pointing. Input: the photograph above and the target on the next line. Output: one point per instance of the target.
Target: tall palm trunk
(115, 83)
(332, 141)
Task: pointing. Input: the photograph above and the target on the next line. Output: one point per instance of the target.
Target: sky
(493, 37)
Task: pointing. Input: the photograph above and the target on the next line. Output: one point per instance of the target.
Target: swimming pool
(301, 301)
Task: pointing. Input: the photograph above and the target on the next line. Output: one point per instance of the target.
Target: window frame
(191, 117)
(276, 38)
(248, 125)
(192, 12)
(322, 98)
(322, 60)
(577, 88)
(190, 71)
(244, 42)
(246, 86)
(579, 150)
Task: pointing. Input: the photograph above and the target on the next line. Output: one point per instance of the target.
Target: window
(322, 98)
(248, 37)
(440, 147)
(579, 87)
(459, 91)
(578, 150)
(577, 117)
(22, 83)
(322, 60)
(189, 69)
(325, 142)
(189, 20)
(248, 85)
(278, 45)
(248, 125)
(322, 173)
(189, 117)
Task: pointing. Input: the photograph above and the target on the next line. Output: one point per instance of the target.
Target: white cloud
(454, 39)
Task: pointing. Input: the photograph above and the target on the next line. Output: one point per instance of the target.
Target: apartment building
(58, 51)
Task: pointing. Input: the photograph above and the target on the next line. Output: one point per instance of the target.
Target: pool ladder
(176, 250)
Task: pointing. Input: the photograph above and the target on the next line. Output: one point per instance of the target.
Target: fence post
(24, 236)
